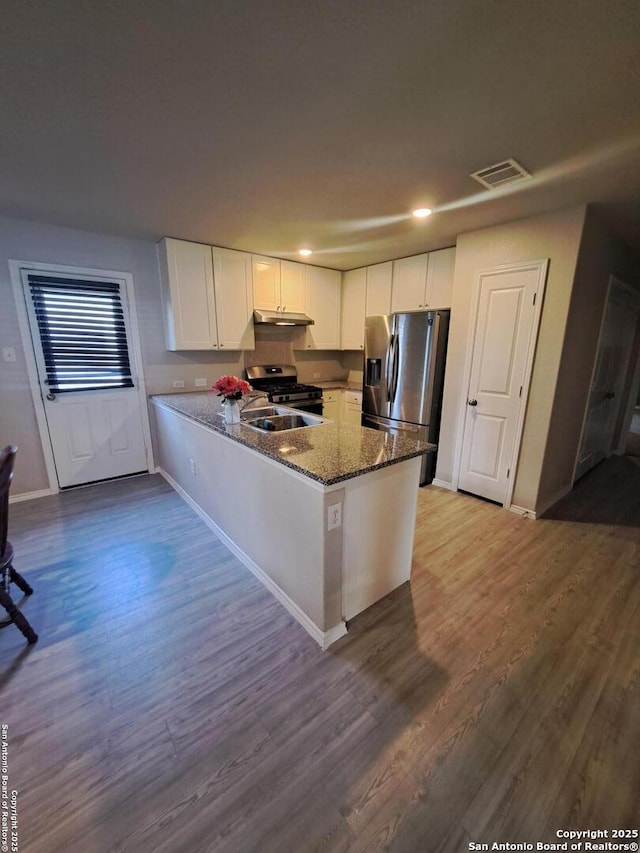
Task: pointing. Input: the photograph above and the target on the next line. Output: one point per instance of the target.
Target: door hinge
(534, 298)
(508, 472)
(520, 392)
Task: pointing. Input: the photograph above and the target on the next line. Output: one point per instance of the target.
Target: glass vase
(231, 411)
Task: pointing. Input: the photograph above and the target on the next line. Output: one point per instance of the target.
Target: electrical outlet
(178, 383)
(334, 516)
(8, 353)
(200, 383)
(316, 376)
(192, 466)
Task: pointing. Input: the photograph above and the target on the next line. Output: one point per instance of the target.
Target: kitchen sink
(250, 414)
(279, 418)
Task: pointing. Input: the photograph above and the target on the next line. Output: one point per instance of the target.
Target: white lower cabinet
(207, 296)
(342, 405)
(352, 407)
(332, 402)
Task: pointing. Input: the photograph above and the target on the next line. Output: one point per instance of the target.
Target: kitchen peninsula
(324, 515)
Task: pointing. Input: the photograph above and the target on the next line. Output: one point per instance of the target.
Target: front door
(80, 333)
(612, 363)
(508, 311)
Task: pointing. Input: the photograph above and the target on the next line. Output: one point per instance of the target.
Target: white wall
(27, 241)
(600, 256)
(557, 237)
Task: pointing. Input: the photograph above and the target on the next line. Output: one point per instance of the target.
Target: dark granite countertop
(328, 453)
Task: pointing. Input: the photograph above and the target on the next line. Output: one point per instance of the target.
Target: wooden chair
(8, 574)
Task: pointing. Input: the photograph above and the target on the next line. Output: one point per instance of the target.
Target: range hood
(280, 318)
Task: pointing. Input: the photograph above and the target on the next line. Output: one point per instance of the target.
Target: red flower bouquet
(230, 387)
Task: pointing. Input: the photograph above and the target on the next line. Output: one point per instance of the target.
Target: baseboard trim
(523, 511)
(554, 500)
(323, 638)
(31, 496)
(529, 513)
(444, 484)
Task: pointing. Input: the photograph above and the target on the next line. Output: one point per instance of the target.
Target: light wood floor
(173, 705)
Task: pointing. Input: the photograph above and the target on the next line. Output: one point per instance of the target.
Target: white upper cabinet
(423, 282)
(323, 306)
(266, 282)
(354, 295)
(189, 308)
(409, 283)
(278, 285)
(365, 292)
(206, 296)
(440, 278)
(293, 280)
(234, 299)
(379, 289)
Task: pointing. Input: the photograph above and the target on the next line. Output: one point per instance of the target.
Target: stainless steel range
(280, 383)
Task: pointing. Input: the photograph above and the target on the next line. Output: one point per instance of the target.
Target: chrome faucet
(251, 398)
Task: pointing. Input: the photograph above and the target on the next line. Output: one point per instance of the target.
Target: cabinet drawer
(353, 397)
(332, 396)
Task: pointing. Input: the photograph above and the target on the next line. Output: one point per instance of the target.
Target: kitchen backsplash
(273, 346)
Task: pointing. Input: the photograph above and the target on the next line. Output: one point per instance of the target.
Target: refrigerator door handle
(390, 365)
(428, 399)
(394, 377)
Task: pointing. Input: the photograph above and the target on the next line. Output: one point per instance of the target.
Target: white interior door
(617, 336)
(80, 332)
(505, 328)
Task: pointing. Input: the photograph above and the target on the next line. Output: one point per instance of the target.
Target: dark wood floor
(173, 705)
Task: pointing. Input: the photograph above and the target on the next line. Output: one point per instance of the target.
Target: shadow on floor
(608, 494)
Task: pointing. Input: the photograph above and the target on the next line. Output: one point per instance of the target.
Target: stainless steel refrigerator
(404, 360)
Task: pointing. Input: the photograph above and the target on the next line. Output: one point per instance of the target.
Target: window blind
(83, 334)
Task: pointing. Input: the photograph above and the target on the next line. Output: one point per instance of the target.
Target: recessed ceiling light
(422, 212)
(305, 252)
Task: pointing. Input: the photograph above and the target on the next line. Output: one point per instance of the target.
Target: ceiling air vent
(500, 173)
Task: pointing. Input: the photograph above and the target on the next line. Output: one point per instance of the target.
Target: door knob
(472, 402)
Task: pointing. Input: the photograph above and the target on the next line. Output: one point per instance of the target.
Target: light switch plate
(200, 383)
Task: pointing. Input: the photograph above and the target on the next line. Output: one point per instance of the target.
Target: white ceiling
(267, 126)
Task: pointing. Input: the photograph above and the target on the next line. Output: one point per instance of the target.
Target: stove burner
(292, 388)
(280, 384)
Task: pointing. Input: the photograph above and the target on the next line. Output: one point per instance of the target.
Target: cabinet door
(266, 283)
(234, 300)
(186, 276)
(352, 407)
(354, 291)
(293, 287)
(379, 289)
(409, 283)
(323, 306)
(332, 405)
(440, 278)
